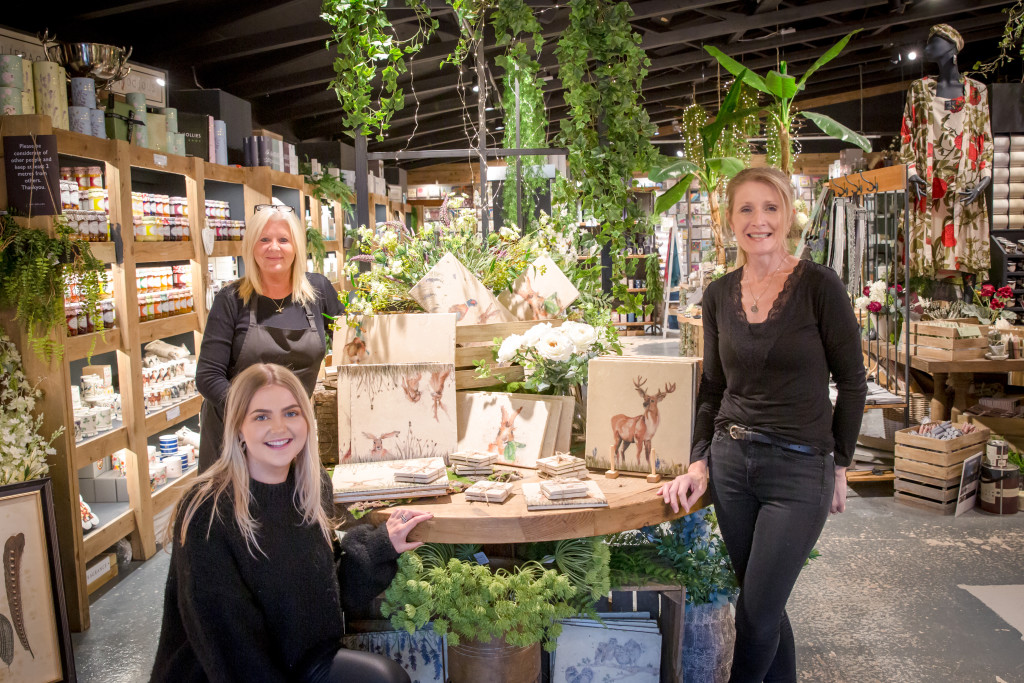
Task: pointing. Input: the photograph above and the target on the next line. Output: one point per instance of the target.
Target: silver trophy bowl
(102, 63)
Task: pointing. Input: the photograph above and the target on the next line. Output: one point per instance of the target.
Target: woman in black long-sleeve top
(766, 433)
(275, 313)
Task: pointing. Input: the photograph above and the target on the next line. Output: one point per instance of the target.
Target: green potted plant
(506, 608)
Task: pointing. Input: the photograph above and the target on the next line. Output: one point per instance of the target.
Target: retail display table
(631, 505)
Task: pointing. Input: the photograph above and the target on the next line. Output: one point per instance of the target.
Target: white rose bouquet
(23, 449)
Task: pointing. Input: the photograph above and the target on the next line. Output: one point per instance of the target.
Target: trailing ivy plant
(782, 90)
(511, 19)
(608, 131)
(34, 270)
(367, 45)
(327, 187)
(1010, 42)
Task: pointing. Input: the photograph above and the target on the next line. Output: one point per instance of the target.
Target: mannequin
(946, 135)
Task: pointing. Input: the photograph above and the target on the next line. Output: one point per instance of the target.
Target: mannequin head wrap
(949, 33)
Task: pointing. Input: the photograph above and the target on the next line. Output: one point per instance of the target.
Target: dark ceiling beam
(332, 123)
(124, 8)
(715, 29)
(236, 47)
(929, 13)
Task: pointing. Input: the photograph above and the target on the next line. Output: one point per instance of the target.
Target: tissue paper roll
(1000, 206)
(28, 102)
(1000, 222)
(1000, 191)
(172, 118)
(50, 91)
(63, 92)
(1015, 222)
(83, 93)
(1001, 160)
(10, 101)
(1016, 143)
(1001, 143)
(220, 139)
(97, 122)
(137, 101)
(179, 141)
(1000, 175)
(1016, 159)
(1016, 206)
(1016, 190)
(11, 73)
(140, 135)
(156, 132)
(80, 122)
(1016, 175)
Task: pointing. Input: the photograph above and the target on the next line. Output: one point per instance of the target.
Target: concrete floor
(883, 603)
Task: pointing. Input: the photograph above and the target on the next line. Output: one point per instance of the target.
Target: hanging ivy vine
(34, 270)
(365, 41)
(511, 19)
(608, 131)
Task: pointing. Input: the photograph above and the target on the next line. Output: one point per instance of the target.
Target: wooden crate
(474, 342)
(927, 492)
(940, 460)
(940, 342)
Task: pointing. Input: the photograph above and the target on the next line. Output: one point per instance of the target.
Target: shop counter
(631, 504)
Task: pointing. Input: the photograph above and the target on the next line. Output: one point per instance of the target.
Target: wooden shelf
(884, 406)
(121, 522)
(82, 345)
(99, 447)
(154, 252)
(332, 245)
(167, 418)
(649, 322)
(865, 476)
(286, 180)
(168, 494)
(224, 174)
(152, 330)
(161, 162)
(227, 248)
(85, 146)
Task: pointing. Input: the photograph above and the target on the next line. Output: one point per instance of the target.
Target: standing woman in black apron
(275, 313)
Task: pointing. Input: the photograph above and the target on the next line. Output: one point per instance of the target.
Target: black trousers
(350, 666)
(771, 504)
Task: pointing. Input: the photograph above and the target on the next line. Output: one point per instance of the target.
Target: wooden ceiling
(273, 53)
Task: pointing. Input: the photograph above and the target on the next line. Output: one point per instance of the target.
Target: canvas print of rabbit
(395, 412)
(449, 287)
(400, 338)
(517, 430)
(541, 293)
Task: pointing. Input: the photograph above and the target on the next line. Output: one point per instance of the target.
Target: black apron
(301, 351)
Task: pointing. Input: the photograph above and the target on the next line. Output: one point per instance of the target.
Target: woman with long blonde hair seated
(258, 579)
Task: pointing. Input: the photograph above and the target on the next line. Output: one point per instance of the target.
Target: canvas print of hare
(517, 430)
(541, 293)
(408, 338)
(449, 287)
(595, 655)
(395, 412)
(640, 414)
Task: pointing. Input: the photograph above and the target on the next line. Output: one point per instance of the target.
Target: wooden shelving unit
(120, 162)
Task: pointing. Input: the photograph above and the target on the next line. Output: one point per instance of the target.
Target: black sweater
(228, 322)
(773, 376)
(229, 616)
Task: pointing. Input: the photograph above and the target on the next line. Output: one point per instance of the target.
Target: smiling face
(275, 251)
(759, 219)
(274, 432)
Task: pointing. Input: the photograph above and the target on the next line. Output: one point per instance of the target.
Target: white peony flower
(878, 290)
(582, 335)
(534, 334)
(555, 346)
(801, 220)
(861, 303)
(509, 347)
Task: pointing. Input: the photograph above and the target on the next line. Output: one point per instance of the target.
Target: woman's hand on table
(839, 494)
(686, 489)
(400, 523)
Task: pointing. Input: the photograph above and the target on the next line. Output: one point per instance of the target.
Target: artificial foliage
(34, 271)
(23, 449)
(466, 600)
(1010, 45)
(607, 131)
(327, 187)
(512, 19)
(367, 47)
(781, 90)
(315, 247)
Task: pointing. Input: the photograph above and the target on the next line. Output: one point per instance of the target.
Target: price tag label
(160, 160)
(481, 558)
(173, 413)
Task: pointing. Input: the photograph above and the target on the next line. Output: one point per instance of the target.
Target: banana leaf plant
(709, 170)
(783, 89)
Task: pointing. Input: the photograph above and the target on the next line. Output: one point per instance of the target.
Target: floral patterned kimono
(948, 143)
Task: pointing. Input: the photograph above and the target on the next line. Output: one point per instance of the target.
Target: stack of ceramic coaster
(489, 491)
(421, 472)
(562, 465)
(564, 488)
(473, 464)
(564, 492)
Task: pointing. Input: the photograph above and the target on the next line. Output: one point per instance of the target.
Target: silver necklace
(754, 308)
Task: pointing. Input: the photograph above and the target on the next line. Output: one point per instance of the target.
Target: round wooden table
(632, 503)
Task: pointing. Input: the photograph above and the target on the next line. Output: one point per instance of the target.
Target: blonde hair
(252, 282)
(229, 475)
(772, 177)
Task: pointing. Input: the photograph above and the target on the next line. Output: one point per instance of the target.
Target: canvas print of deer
(593, 655)
(541, 293)
(395, 412)
(517, 430)
(449, 287)
(405, 338)
(640, 414)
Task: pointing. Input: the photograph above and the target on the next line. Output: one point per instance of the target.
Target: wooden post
(654, 477)
(612, 473)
